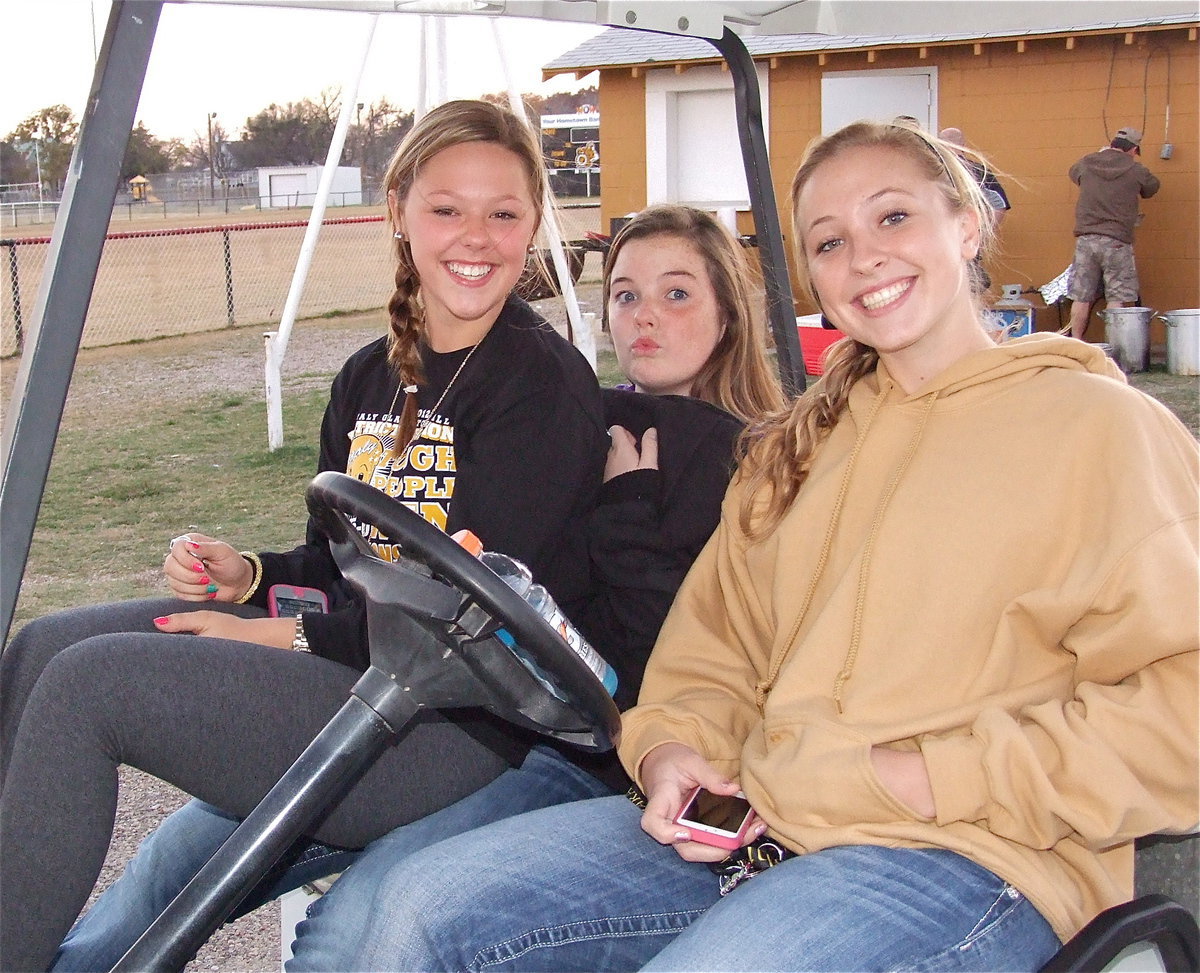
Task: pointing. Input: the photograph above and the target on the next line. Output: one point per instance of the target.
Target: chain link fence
(189, 279)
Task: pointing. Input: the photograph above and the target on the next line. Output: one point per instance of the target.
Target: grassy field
(132, 470)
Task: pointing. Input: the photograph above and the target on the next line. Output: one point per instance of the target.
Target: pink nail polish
(198, 566)
(193, 545)
(212, 595)
(161, 620)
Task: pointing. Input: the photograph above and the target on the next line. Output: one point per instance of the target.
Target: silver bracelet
(300, 640)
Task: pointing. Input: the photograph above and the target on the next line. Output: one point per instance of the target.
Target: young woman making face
(676, 294)
(663, 314)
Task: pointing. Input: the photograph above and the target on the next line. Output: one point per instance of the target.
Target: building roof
(620, 47)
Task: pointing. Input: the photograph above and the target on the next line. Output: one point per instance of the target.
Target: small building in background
(1033, 102)
(288, 187)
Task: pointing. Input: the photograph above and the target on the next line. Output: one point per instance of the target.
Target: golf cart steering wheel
(437, 617)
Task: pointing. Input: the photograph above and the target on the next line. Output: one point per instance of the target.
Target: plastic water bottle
(518, 577)
(541, 600)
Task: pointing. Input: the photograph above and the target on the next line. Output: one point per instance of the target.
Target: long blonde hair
(450, 124)
(777, 453)
(737, 375)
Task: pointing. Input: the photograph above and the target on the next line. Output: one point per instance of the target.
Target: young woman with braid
(473, 410)
(678, 306)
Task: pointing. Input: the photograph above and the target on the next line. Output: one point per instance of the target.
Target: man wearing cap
(1110, 183)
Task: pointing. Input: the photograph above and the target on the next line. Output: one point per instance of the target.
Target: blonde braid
(404, 353)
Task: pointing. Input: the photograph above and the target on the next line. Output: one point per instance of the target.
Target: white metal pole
(441, 61)
(582, 332)
(277, 347)
(422, 71)
(37, 155)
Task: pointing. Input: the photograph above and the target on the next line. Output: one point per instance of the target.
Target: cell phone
(716, 819)
(288, 601)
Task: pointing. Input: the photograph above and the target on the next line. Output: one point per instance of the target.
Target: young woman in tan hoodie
(927, 641)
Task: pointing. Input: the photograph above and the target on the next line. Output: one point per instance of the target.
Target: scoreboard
(571, 147)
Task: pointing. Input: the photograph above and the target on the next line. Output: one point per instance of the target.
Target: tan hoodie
(1010, 585)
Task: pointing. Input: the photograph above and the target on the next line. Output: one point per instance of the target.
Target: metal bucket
(1127, 329)
(1183, 341)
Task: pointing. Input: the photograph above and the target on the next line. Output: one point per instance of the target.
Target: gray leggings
(86, 690)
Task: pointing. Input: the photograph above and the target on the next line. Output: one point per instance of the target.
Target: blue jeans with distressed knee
(580, 887)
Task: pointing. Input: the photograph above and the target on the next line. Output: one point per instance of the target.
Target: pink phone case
(709, 834)
(285, 600)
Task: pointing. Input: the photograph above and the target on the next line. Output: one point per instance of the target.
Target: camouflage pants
(1101, 258)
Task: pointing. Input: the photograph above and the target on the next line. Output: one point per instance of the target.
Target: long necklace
(423, 427)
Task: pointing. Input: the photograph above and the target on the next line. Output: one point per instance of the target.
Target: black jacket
(528, 443)
(645, 533)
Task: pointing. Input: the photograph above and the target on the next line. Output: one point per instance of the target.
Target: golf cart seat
(1153, 932)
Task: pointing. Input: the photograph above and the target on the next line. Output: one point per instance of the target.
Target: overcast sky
(236, 60)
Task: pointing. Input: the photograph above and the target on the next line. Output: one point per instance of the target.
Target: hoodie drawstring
(865, 569)
(764, 686)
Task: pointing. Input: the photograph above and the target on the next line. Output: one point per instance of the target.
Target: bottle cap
(469, 541)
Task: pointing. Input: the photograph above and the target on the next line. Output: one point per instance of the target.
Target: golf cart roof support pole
(781, 308)
(44, 375)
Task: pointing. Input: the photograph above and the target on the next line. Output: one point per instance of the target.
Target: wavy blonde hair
(777, 453)
(737, 375)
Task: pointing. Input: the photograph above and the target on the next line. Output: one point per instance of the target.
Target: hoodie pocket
(831, 782)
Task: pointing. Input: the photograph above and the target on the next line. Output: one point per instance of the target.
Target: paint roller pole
(582, 333)
(277, 345)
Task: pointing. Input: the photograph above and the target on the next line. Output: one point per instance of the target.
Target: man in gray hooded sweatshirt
(1110, 183)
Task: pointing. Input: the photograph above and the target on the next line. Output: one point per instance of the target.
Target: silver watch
(300, 640)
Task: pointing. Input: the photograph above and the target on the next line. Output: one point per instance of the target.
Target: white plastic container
(1183, 341)
(1127, 329)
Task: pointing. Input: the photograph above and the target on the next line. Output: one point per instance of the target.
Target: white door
(707, 165)
(288, 189)
(693, 153)
(847, 96)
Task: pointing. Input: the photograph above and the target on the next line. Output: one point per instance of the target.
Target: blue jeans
(165, 862)
(580, 887)
(168, 858)
(336, 923)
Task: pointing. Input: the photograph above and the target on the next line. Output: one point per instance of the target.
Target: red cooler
(814, 342)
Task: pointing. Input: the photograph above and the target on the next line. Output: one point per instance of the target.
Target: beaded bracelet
(256, 564)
